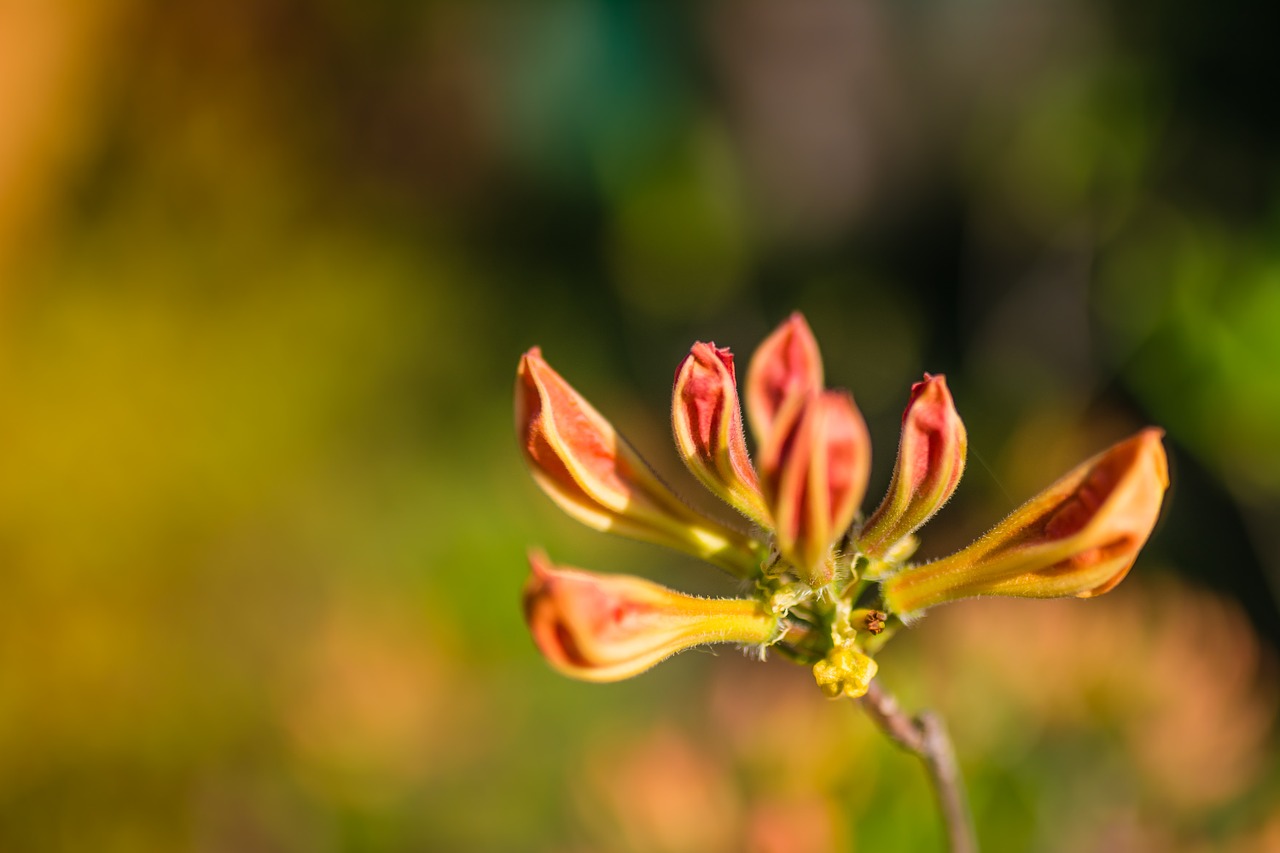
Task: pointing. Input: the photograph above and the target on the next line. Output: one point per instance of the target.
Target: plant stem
(926, 736)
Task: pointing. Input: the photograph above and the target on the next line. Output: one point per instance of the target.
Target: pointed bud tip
(541, 575)
(930, 390)
(1152, 440)
(797, 323)
(785, 369)
(706, 356)
(930, 382)
(530, 373)
(539, 563)
(531, 359)
(706, 350)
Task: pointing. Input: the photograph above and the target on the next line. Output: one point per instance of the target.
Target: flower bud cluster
(801, 501)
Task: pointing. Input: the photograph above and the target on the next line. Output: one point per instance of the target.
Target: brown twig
(926, 736)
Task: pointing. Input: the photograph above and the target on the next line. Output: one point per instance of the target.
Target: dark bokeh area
(266, 270)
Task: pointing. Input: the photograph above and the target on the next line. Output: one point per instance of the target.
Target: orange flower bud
(707, 421)
(594, 475)
(785, 370)
(931, 455)
(815, 474)
(1077, 538)
(610, 627)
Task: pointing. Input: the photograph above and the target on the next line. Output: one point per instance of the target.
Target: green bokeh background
(266, 270)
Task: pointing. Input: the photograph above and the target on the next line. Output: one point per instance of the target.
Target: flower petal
(815, 474)
(581, 462)
(1077, 538)
(785, 366)
(707, 421)
(610, 627)
(931, 457)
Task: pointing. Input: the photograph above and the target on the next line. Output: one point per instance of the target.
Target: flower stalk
(926, 736)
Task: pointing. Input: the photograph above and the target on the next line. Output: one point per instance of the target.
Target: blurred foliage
(265, 272)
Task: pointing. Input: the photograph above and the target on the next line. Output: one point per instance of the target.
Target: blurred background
(266, 270)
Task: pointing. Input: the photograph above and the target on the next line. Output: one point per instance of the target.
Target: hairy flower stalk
(827, 588)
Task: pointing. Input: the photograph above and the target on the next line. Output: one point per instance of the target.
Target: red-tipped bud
(707, 422)
(785, 370)
(610, 627)
(815, 474)
(1077, 538)
(931, 455)
(594, 475)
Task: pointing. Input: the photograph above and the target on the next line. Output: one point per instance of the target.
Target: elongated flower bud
(815, 475)
(594, 475)
(610, 627)
(785, 370)
(1077, 538)
(707, 421)
(931, 455)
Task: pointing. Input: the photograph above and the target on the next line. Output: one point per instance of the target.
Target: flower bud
(815, 474)
(707, 422)
(785, 370)
(931, 455)
(594, 475)
(1077, 538)
(610, 627)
